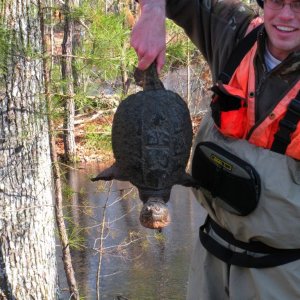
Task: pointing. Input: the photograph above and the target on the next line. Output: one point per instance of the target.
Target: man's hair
(260, 3)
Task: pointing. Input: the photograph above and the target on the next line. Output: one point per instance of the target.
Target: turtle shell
(151, 139)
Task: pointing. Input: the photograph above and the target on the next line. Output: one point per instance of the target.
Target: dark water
(137, 263)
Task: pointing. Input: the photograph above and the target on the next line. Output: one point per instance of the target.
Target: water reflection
(138, 263)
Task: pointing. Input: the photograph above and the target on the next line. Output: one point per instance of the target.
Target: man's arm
(214, 26)
(148, 36)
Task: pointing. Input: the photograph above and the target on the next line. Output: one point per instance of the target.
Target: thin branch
(101, 246)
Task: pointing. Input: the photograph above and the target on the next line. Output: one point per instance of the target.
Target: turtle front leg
(110, 173)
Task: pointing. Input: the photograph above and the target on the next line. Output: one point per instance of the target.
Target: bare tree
(67, 76)
(27, 240)
(62, 231)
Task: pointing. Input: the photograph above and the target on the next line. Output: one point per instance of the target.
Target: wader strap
(287, 126)
(238, 54)
(268, 256)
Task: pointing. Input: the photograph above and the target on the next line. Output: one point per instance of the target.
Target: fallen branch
(86, 118)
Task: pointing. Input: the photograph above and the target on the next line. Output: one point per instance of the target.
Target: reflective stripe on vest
(238, 122)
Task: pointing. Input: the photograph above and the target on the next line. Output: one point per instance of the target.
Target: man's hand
(148, 36)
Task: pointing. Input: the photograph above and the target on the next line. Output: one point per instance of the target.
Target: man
(247, 151)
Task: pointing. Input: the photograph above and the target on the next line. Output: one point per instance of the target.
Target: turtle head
(154, 213)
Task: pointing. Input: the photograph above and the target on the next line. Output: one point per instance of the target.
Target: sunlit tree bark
(27, 240)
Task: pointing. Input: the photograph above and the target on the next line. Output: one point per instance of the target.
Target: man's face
(283, 29)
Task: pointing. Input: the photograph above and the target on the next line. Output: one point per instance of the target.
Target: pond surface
(137, 263)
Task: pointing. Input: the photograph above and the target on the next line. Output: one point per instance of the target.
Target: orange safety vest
(238, 117)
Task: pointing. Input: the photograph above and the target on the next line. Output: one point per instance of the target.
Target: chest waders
(231, 185)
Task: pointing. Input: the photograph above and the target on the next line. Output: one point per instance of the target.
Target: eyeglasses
(279, 4)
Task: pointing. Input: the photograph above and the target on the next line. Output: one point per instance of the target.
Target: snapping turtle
(151, 141)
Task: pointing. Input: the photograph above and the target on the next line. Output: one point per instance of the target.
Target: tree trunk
(27, 240)
(77, 43)
(66, 68)
(61, 228)
(188, 83)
